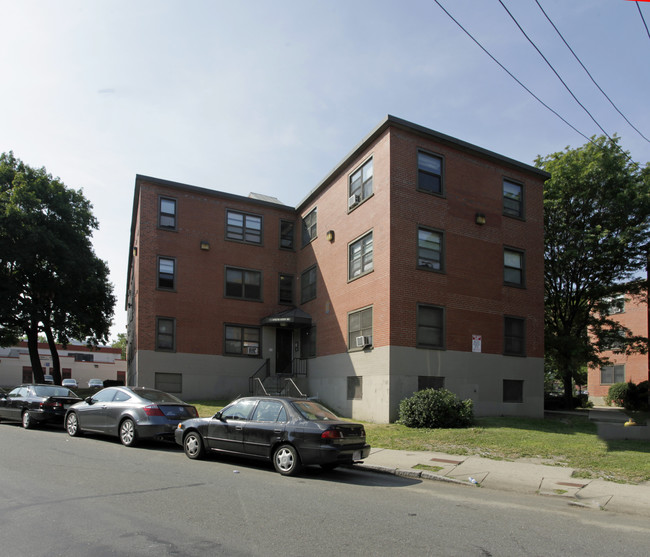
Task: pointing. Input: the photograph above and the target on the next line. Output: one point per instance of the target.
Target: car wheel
(128, 435)
(193, 445)
(286, 460)
(72, 425)
(28, 423)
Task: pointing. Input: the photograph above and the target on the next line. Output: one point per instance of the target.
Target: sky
(269, 96)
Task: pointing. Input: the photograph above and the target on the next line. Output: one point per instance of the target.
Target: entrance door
(283, 342)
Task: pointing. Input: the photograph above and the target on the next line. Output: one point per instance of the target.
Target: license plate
(66, 406)
(356, 455)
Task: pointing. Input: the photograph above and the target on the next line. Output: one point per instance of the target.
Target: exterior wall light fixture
(330, 236)
(479, 219)
(205, 246)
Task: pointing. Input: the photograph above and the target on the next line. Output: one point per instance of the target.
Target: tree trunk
(34, 358)
(56, 362)
(567, 383)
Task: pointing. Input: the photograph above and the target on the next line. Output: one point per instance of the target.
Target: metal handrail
(299, 366)
(287, 384)
(262, 372)
(258, 381)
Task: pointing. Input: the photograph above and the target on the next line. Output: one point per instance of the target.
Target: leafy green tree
(596, 221)
(51, 281)
(121, 343)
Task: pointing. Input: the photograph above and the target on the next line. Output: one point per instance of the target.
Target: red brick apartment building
(632, 312)
(417, 262)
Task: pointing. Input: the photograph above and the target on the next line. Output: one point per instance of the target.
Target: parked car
(48, 379)
(70, 383)
(130, 413)
(95, 383)
(36, 404)
(290, 432)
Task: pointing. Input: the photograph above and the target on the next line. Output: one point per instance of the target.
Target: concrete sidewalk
(518, 476)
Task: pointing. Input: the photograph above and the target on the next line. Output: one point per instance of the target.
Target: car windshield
(52, 391)
(158, 396)
(313, 411)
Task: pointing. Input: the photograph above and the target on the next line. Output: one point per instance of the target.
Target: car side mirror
(218, 416)
(89, 400)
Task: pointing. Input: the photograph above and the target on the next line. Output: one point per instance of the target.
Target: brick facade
(630, 368)
(469, 288)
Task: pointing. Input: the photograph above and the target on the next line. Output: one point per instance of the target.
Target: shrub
(629, 396)
(436, 408)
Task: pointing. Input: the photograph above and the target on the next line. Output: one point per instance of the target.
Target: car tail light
(153, 410)
(331, 434)
(49, 404)
(193, 412)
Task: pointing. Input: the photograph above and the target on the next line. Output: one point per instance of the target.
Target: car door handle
(238, 428)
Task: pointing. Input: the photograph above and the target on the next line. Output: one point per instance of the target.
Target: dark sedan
(290, 432)
(36, 404)
(130, 413)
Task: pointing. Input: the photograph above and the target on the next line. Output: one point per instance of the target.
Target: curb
(410, 473)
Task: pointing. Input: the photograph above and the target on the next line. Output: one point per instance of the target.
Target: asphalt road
(90, 496)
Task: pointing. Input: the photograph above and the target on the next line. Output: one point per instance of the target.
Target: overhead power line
(512, 75)
(589, 74)
(554, 70)
(643, 19)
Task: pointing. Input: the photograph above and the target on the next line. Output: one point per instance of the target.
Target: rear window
(313, 411)
(157, 396)
(52, 391)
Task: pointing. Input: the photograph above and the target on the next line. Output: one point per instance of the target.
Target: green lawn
(560, 441)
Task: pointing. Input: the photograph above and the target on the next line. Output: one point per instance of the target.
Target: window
(614, 340)
(513, 267)
(308, 342)
(167, 213)
(269, 411)
(82, 357)
(360, 329)
(165, 333)
(286, 289)
(107, 395)
(430, 249)
(166, 273)
(360, 184)
(513, 199)
(123, 397)
(355, 388)
(244, 284)
(514, 336)
(613, 305)
(239, 410)
(169, 382)
(513, 390)
(612, 374)
(243, 227)
(242, 341)
(286, 234)
(427, 382)
(431, 327)
(308, 285)
(360, 257)
(309, 228)
(429, 173)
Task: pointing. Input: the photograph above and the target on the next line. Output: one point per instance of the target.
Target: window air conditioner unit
(363, 341)
(252, 350)
(353, 200)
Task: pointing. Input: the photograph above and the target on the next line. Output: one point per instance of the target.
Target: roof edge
(399, 123)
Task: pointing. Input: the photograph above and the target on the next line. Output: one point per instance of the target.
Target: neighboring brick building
(417, 262)
(632, 312)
